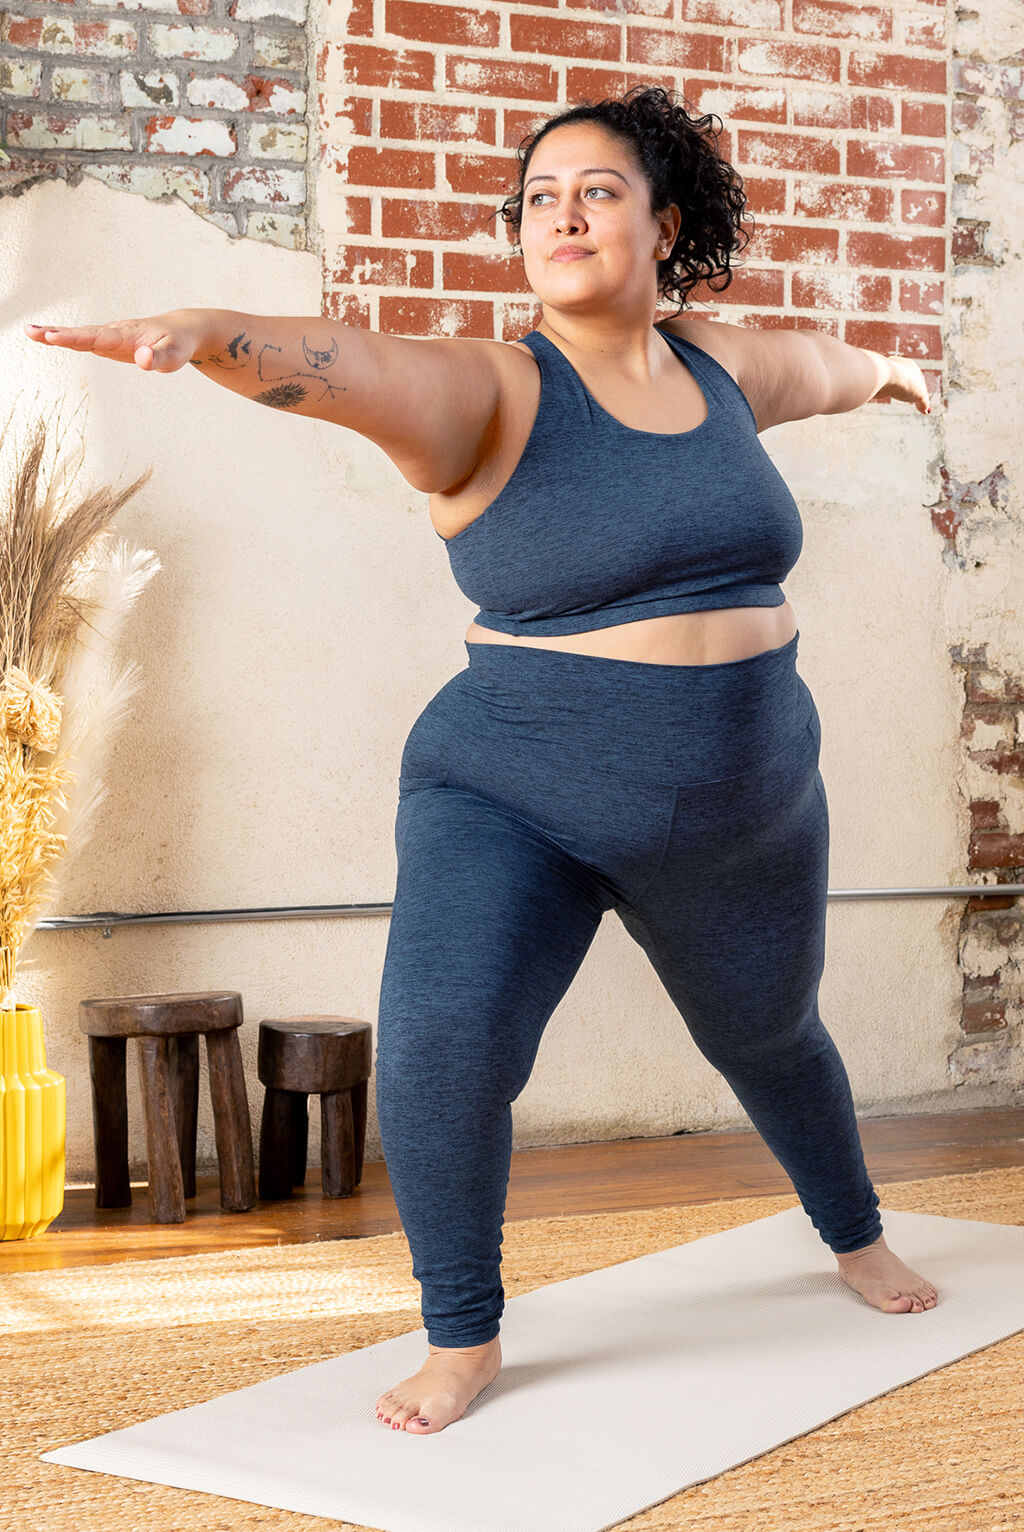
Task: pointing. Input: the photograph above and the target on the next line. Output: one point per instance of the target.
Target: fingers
(148, 346)
(77, 339)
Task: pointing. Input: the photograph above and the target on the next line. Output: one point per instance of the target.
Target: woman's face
(584, 187)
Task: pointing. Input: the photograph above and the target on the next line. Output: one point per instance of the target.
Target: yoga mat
(620, 1386)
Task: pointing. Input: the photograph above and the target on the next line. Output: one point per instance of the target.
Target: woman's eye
(533, 199)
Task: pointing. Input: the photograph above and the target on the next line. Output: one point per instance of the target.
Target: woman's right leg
(491, 921)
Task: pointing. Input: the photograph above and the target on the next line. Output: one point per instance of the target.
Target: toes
(900, 1303)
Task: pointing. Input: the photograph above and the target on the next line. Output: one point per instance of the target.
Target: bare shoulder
(431, 404)
(514, 385)
(729, 344)
(780, 371)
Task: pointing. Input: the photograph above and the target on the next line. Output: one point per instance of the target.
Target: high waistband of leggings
(500, 658)
(656, 722)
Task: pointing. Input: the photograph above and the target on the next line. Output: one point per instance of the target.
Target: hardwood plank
(549, 1181)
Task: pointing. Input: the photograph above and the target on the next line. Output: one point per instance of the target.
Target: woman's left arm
(857, 374)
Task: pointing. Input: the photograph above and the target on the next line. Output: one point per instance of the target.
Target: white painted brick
(90, 85)
(277, 229)
(226, 221)
(277, 141)
(218, 90)
(17, 79)
(989, 682)
(833, 289)
(55, 36)
(48, 130)
(818, 103)
(266, 10)
(210, 43)
(866, 25)
(265, 186)
(189, 135)
(982, 952)
(763, 56)
(724, 99)
(987, 1062)
(989, 736)
(1013, 806)
(152, 89)
(270, 51)
(114, 40)
(282, 98)
(109, 39)
(135, 5)
(977, 780)
(184, 181)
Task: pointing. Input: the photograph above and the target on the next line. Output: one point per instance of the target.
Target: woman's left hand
(907, 383)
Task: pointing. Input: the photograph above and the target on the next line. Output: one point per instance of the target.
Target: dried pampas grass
(65, 588)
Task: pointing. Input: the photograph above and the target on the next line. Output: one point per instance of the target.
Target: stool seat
(167, 1029)
(161, 1015)
(300, 1056)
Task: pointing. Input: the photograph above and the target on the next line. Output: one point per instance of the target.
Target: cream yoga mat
(620, 1387)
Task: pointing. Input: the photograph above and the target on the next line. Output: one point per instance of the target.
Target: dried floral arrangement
(65, 587)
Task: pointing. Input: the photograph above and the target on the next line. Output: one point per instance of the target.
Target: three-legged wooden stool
(168, 1028)
(299, 1056)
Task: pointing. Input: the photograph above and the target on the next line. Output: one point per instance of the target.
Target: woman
(630, 732)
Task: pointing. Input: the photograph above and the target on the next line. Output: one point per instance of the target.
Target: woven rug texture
(95, 1348)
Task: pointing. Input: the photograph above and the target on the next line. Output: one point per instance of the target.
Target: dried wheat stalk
(61, 580)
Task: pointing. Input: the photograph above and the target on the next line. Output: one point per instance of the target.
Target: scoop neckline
(633, 430)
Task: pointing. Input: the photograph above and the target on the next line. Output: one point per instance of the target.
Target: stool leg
(337, 1146)
(359, 1124)
(184, 1054)
(231, 1123)
(275, 1145)
(298, 1136)
(110, 1121)
(166, 1192)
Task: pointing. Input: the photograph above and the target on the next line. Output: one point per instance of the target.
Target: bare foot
(883, 1279)
(442, 1390)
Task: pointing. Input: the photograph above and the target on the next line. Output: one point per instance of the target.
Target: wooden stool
(167, 1028)
(299, 1056)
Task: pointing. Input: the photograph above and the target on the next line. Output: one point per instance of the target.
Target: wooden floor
(604, 1177)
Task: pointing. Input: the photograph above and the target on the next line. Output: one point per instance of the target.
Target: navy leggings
(538, 789)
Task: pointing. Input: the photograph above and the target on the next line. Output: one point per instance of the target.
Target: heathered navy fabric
(602, 524)
(538, 789)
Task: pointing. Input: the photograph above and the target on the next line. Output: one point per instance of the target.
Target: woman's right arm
(428, 403)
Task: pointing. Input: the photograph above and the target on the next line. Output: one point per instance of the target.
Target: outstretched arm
(429, 403)
(856, 374)
(792, 374)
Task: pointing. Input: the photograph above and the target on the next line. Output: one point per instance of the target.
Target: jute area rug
(97, 1348)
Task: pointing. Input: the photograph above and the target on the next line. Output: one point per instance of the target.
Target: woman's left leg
(734, 925)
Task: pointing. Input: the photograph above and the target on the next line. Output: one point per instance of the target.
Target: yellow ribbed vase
(33, 1117)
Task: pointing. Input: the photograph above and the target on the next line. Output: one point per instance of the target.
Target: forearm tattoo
(287, 383)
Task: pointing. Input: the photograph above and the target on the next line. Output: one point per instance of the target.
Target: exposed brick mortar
(175, 146)
(980, 523)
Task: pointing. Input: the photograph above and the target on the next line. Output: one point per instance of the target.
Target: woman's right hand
(161, 344)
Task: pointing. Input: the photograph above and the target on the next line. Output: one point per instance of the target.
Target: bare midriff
(685, 638)
(675, 404)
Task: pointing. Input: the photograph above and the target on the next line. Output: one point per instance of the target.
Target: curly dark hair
(679, 157)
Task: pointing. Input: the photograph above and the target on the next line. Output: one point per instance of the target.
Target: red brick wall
(835, 115)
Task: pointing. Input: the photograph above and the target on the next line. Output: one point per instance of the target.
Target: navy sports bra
(601, 524)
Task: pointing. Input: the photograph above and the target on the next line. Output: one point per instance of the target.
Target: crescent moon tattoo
(320, 360)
